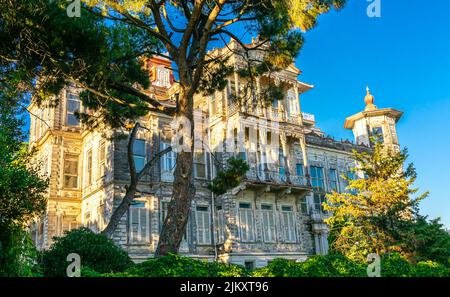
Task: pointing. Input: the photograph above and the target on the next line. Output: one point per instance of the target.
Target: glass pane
(73, 106)
(71, 167)
(70, 181)
(300, 169)
(139, 147)
(72, 120)
(139, 163)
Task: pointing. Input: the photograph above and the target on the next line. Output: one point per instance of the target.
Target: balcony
(308, 117)
(270, 113)
(275, 177)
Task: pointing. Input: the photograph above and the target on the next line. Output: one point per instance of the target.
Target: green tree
(100, 52)
(426, 240)
(22, 192)
(371, 216)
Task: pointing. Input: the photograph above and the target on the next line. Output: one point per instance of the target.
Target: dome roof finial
(369, 99)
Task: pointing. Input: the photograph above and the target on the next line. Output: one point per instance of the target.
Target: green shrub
(18, 256)
(430, 269)
(96, 252)
(317, 266)
(179, 266)
(280, 268)
(394, 265)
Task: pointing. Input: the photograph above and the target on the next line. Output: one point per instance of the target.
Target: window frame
(268, 223)
(76, 158)
(102, 158)
(316, 178)
(89, 169)
(70, 112)
(292, 232)
(203, 223)
(250, 235)
(142, 208)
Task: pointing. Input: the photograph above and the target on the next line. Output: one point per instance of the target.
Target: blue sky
(404, 57)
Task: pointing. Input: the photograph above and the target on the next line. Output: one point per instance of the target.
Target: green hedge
(96, 252)
(176, 266)
(334, 265)
(316, 266)
(392, 265)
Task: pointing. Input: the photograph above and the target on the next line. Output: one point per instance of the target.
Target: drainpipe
(213, 208)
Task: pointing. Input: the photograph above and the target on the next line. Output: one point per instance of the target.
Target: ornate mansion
(275, 212)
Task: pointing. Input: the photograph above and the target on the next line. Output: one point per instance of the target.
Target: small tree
(21, 192)
(370, 217)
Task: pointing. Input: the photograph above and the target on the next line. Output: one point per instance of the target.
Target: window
(249, 265)
(89, 168)
(100, 217)
(203, 225)
(162, 77)
(220, 224)
(231, 89)
(268, 220)
(317, 178)
(319, 198)
(332, 179)
(213, 104)
(71, 171)
(163, 213)
(299, 169)
(246, 222)
(200, 165)
(291, 102)
(139, 154)
(168, 160)
(139, 223)
(352, 176)
(288, 223)
(282, 165)
(377, 134)
(304, 206)
(87, 220)
(102, 159)
(73, 106)
(275, 103)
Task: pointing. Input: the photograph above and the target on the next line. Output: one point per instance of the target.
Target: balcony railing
(270, 113)
(308, 117)
(275, 177)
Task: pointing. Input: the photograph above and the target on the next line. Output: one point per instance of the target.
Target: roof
(394, 113)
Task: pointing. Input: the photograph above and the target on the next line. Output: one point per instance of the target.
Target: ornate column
(284, 147)
(305, 159)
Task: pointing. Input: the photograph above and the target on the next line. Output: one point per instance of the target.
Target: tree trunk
(183, 188)
(119, 212)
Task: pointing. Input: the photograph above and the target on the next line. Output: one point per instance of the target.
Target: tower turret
(374, 123)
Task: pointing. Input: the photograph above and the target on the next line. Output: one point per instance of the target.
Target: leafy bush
(18, 256)
(95, 250)
(394, 265)
(430, 269)
(333, 265)
(317, 266)
(179, 266)
(280, 268)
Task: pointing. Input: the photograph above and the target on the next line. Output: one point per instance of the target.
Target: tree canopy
(368, 218)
